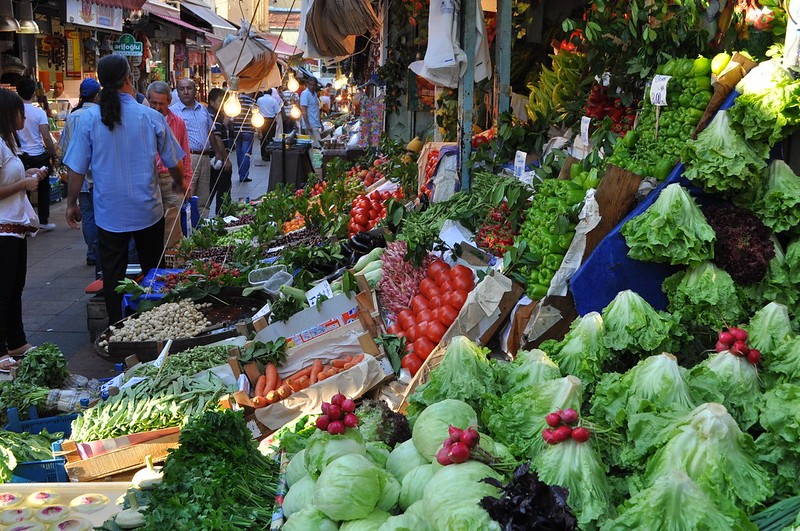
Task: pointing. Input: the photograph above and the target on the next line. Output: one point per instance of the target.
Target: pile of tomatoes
(430, 168)
(318, 188)
(442, 294)
(369, 210)
(368, 175)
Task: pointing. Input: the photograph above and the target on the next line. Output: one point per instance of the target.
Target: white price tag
(230, 219)
(585, 123)
(116, 381)
(519, 163)
(133, 381)
(317, 292)
(658, 90)
(606, 79)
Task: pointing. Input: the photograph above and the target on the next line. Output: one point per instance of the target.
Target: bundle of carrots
(270, 388)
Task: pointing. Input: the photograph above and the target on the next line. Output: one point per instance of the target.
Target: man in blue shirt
(119, 139)
(309, 105)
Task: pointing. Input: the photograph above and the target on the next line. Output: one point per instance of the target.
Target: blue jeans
(86, 202)
(244, 146)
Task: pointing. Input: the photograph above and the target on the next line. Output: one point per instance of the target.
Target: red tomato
(413, 333)
(406, 319)
(360, 219)
(461, 271)
(419, 303)
(435, 331)
(446, 286)
(394, 329)
(423, 347)
(434, 292)
(436, 268)
(425, 315)
(426, 285)
(447, 314)
(411, 363)
(457, 299)
(435, 301)
(463, 284)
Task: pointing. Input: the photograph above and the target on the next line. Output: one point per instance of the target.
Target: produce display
(169, 320)
(20, 448)
(369, 210)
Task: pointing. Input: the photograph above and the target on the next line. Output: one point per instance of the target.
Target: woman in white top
(17, 220)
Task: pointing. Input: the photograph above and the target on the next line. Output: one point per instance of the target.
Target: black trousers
(267, 132)
(114, 257)
(37, 161)
(13, 264)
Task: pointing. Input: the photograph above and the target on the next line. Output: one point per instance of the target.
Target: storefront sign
(127, 45)
(84, 13)
(74, 50)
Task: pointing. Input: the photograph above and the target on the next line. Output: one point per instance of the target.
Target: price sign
(323, 289)
(585, 123)
(658, 90)
(519, 163)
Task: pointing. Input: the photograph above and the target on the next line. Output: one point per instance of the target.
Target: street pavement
(54, 300)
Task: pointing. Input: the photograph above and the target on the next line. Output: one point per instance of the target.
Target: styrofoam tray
(68, 491)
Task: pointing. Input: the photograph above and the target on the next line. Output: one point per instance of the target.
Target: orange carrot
(315, 370)
(284, 391)
(259, 402)
(302, 372)
(299, 383)
(338, 363)
(323, 375)
(347, 366)
(272, 396)
(262, 380)
(270, 377)
(348, 359)
(358, 359)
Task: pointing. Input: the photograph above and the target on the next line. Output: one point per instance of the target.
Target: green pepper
(700, 83)
(662, 169)
(565, 240)
(629, 141)
(685, 99)
(575, 170)
(545, 276)
(693, 115)
(552, 261)
(536, 291)
(668, 69)
(700, 100)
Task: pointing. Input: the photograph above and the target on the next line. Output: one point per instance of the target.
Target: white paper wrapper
(589, 218)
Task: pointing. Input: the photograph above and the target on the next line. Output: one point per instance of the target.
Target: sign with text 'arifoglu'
(128, 46)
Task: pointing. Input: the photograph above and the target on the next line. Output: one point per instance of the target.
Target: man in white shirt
(309, 106)
(38, 148)
(269, 108)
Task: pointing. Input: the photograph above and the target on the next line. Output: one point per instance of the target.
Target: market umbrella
(324, 33)
(353, 17)
(252, 61)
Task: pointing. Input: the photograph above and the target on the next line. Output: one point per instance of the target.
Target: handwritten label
(658, 90)
(585, 123)
(323, 289)
(519, 163)
(606, 79)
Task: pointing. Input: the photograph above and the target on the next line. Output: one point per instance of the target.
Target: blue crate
(56, 190)
(48, 471)
(36, 424)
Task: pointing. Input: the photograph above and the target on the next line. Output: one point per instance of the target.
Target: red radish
(553, 420)
(336, 427)
(738, 334)
(458, 452)
(448, 442)
(470, 437)
(581, 435)
(754, 356)
(350, 420)
(348, 406)
(740, 348)
(337, 399)
(455, 433)
(726, 338)
(562, 433)
(323, 422)
(335, 412)
(325, 406)
(548, 437)
(570, 416)
(721, 347)
(443, 456)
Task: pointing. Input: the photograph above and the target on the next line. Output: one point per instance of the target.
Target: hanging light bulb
(295, 112)
(232, 107)
(257, 119)
(292, 84)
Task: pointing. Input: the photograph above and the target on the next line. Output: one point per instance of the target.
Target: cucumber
(365, 260)
(377, 265)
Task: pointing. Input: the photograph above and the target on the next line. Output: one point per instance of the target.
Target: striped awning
(124, 4)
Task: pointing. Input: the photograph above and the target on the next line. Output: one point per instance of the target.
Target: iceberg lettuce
(768, 328)
(631, 324)
(581, 353)
(703, 297)
(528, 368)
(731, 380)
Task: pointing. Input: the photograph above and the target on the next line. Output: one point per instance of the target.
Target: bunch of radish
(337, 415)
(458, 446)
(734, 340)
(563, 427)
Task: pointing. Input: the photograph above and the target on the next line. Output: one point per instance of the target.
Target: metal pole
(502, 59)
(466, 90)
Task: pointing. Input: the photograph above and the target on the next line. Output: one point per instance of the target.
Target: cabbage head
(390, 490)
(433, 424)
(378, 453)
(414, 485)
(299, 496)
(404, 458)
(452, 496)
(296, 470)
(406, 522)
(309, 518)
(348, 489)
(373, 522)
(322, 448)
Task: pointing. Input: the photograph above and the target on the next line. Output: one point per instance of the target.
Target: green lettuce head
(299, 496)
(768, 328)
(373, 522)
(296, 470)
(414, 485)
(451, 498)
(528, 368)
(731, 380)
(309, 518)
(631, 324)
(704, 297)
(348, 489)
(433, 425)
(323, 448)
(404, 458)
(582, 353)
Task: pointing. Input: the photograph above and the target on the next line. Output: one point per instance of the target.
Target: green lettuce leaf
(779, 446)
(673, 502)
(721, 160)
(768, 328)
(631, 324)
(731, 380)
(528, 368)
(709, 447)
(705, 296)
(673, 230)
(782, 461)
(775, 286)
(783, 365)
(577, 467)
(778, 202)
(792, 260)
(582, 352)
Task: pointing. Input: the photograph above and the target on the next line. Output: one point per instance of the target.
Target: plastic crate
(56, 190)
(36, 424)
(48, 471)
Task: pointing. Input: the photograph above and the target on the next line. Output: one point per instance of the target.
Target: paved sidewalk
(54, 301)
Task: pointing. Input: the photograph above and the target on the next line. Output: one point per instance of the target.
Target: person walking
(17, 220)
(38, 148)
(269, 108)
(221, 169)
(243, 135)
(199, 124)
(89, 97)
(120, 139)
(309, 106)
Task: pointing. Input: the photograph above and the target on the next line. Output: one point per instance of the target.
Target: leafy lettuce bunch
(581, 352)
(703, 297)
(793, 261)
(528, 368)
(744, 246)
(673, 230)
(778, 201)
(768, 328)
(768, 106)
(708, 446)
(731, 380)
(783, 365)
(779, 445)
(631, 324)
(721, 160)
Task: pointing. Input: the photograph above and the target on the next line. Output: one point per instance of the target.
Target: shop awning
(278, 45)
(170, 16)
(220, 27)
(124, 4)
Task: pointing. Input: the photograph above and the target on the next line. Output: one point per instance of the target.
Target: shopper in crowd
(269, 108)
(309, 106)
(90, 97)
(17, 220)
(38, 148)
(325, 100)
(222, 169)
(277, 95)
(199, 124)
(120, 139)
(243, 134)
